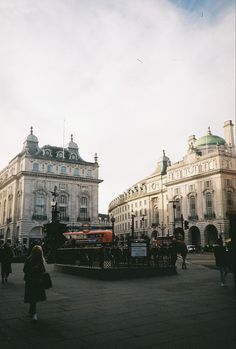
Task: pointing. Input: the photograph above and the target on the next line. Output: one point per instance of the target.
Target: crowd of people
(35, 264)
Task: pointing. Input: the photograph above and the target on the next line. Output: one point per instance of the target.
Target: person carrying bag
(35, 284)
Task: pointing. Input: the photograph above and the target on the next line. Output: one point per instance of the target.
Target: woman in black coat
(6, 256)
(34, 268)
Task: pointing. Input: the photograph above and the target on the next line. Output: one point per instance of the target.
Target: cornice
(199, 176)
(47, 175)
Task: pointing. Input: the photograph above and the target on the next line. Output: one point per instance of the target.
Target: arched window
(209, 209)
(40, 207)
(35, 167)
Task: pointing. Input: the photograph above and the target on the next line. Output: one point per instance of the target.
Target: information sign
(138, 249)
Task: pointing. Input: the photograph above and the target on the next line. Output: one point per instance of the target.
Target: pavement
(188, 310)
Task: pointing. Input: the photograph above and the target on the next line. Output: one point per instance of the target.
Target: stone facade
(27, 183)
(191, 198)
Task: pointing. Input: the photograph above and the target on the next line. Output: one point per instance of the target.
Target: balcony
(39, 217)
(210, 215)
(83, 219)
(65, 218)
(193, 217)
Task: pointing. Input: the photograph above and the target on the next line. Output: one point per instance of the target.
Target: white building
(27, 183)
(192, 197)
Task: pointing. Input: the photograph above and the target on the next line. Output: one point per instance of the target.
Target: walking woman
(34, 267)
(6, 256)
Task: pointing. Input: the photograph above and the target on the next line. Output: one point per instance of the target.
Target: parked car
(191, 248)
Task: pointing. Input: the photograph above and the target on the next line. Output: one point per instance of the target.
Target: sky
(128, 78)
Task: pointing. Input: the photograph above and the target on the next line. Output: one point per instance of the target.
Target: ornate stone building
(27, 183)
(192, 197)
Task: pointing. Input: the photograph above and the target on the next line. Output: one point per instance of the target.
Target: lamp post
(132, 223)
(143, 225)
(162, 227)
(113, 232)
(174, 208)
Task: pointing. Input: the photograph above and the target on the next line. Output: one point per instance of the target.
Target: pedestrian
(221, 260)
(173, 247)
(183, 253)
(6, 256)
(34, 268)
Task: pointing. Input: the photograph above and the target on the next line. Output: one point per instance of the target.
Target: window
(47, 152)
(4, 211)
(50, 168)
(76, 172)
(63, 170)
(39, 204)
(228, 182)
(10, 207)
(177, 210)
(35, 167)
(209, 210)
(63, 207)
(89, 173)
(63, 199)
(84, 201)
(83, 213)
(229, 196)
(192, 206)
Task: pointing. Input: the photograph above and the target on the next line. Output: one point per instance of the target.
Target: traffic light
(186, 225)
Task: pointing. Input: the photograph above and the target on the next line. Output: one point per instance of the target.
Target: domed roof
(209, 140)
(31, 137)
(72, 144)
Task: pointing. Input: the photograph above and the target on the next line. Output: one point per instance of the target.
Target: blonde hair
(37, 251)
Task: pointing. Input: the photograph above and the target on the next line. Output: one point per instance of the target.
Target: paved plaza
(188, 310)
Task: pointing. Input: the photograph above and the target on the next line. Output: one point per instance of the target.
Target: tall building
(191, 198)
(27, 183)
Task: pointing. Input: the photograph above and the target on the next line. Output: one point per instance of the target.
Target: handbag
(46, 280)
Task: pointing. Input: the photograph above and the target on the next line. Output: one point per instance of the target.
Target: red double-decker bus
(90, 237)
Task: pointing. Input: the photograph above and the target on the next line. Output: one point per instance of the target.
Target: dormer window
(73, 157)
(60, 155)
(47, 152)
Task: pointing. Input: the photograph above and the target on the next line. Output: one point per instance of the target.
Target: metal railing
(108, 257)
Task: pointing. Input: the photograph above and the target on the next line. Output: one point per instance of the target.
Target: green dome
(209, 140)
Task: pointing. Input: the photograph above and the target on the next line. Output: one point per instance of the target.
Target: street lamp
(113, 232)
(162, 227)
(132, 223)
(174, 202)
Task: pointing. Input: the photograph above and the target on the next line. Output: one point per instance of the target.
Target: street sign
(138, 249)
